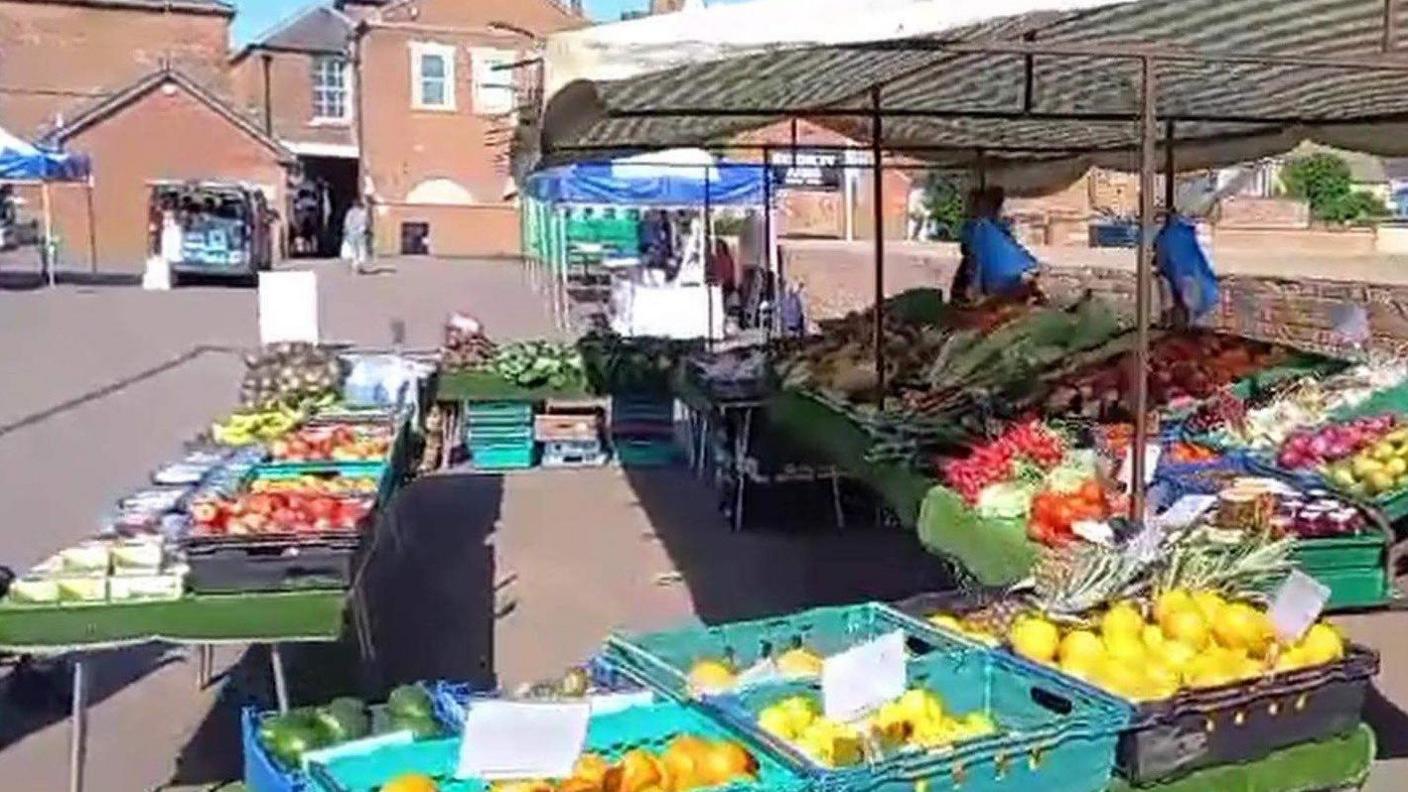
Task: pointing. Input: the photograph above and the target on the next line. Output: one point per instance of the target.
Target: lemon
(776, 721)
(1081, 647)
(800, 662)
(1292, 659)
(1035, 639)
(1153, 637)
(708, 676)
(1187, 626)
(1175, 655)
(1240, 626)
(1163, 681)
(1208, 670)
(947, 622)
(1322, 644)
(1084, 670)
(1122, 619)
(1126, 649)
(1119, 678)
(1210, 603)
(1171, 602)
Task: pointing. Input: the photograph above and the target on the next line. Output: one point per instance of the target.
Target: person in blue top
(1188, 285)
(993, 263)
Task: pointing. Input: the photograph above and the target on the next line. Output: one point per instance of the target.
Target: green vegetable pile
(632, 365)
(537, 364)
(289, 736)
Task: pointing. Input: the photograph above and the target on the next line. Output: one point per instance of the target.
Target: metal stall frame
(1146, 59)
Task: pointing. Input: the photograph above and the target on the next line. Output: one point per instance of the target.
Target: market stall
(23, 164)
(250, 538)
(597, 217)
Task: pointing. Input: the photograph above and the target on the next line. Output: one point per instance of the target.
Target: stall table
(195, 620)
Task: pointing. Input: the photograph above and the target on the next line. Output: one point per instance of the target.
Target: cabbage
(1007, 501)
(1077, 468)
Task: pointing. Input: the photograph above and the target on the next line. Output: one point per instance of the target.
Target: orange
(591, 768)
(726, 761)
(640, 769)
(411, 782)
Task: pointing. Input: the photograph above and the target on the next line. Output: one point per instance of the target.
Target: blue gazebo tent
(24, 163)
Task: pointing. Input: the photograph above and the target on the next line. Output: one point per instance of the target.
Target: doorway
(317, 203)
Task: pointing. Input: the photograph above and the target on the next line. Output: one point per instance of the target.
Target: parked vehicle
(211, 228)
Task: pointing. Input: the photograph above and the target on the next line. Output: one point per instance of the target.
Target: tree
(1324, 181)
(943, 203)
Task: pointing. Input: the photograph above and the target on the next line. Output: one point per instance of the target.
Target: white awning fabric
(612, 90)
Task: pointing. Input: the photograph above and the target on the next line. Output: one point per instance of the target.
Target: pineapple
(996, 618)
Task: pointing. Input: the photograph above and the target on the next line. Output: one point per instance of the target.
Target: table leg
(78, 728)
(276, 660)
(836, 500)
(740, 457)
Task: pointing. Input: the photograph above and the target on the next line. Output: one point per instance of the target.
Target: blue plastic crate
(262, 773)
(498, 412)
(663, 659)
(1052, 732)
(449, 698)
(509, 456)
(610, 735)
(499, 433)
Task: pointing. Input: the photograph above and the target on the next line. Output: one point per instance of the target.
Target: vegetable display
(277, 513)
(536, 364)
(290, 374)
(334, 444)
(289, 736)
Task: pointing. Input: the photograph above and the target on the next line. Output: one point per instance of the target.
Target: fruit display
(290, 374)
(410, 782)
(1183, 368)
(1317, 514)
(255, 425)
(1223, 409)
(917, 719)
(1186, 639)
(334, 444)
(287, 737)
(1182, 453)
(1380, 468)
(712, 675)
(1054, 514)
(312, 484)
(688, 762)
(277, 513)
(106, 569)
(538, 364)
(1310, 448)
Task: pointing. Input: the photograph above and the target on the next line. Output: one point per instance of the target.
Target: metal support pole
(276, 662)
(774, 321)
(708, 268)
(877, 131)
(92, 229)
(50, 249)
(1170, 171)
(78, 727)
(1028, 76)
(1390, 25)
(1148, 132)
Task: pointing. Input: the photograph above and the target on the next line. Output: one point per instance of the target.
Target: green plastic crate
(498, 413)
(1347, 552)
(645, 453)
(498, 433)
(507, 456)
(1356, 588)
(1052, 732)
(663, 659)
(610, 735)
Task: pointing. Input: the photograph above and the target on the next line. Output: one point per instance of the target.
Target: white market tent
(1032, 98)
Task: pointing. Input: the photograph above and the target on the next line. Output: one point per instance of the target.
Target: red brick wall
(403, 147)
(290, 97)
(76, 53)
(160, 136)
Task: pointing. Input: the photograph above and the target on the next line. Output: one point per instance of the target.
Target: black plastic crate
(270, 566)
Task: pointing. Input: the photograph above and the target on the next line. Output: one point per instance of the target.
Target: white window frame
(490, 81)
(446, 52)
(347, 96)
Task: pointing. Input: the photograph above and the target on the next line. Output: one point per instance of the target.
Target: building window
(432, 77)
(493, 82)
(330, 94)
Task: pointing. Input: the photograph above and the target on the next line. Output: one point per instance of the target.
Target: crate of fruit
(977, 719)
(695, 660)
(277, 744)
(1210, 683)
(639, 747)
(596, 679)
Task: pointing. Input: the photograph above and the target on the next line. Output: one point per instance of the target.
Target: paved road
(515, 576)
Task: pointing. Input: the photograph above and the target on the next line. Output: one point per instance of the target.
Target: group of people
(994, 264)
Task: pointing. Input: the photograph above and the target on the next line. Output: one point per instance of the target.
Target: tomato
(1092, 492)
(1063, 514)
(1039, 531)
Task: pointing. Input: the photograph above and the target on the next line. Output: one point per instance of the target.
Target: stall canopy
(1037, 97)
(679, 177)
(24, 162)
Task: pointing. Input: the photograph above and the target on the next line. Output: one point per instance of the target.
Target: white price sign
(522, 739)
(1152, 452)
(1298, 604)
(860, 679)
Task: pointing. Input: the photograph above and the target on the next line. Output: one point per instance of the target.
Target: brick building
(405, 102)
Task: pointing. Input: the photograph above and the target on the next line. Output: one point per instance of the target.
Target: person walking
(354, 236)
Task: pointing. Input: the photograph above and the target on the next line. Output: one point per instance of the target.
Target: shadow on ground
(1390, 725)
(37, 693)
(766, 570)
